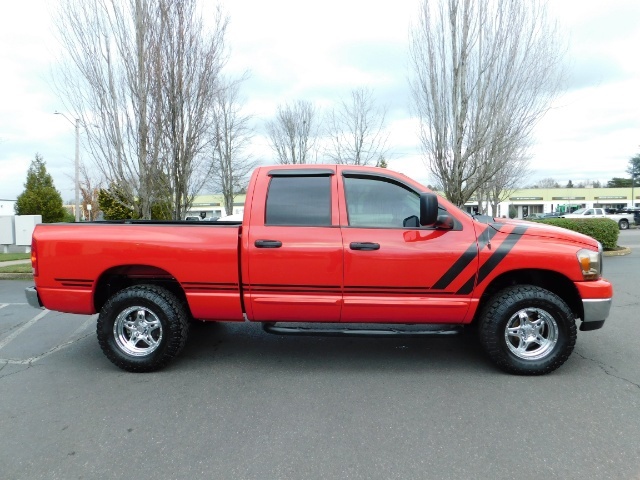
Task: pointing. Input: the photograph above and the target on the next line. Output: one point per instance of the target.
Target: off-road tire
(524, 316)
(150, 313)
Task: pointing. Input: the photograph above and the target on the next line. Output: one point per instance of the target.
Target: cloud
(320, 51)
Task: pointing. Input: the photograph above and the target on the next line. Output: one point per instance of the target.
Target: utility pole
(77, 163)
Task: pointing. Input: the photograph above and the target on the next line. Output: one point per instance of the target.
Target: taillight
(34, 257)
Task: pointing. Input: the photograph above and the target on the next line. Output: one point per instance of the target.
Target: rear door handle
(268, 243)
(364, 246)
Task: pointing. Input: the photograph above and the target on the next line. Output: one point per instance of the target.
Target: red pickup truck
(328, 249)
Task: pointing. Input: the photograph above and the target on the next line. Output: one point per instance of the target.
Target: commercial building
(528, 201)
(208, 206)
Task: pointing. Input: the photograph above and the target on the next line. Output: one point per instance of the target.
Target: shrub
(604, 230)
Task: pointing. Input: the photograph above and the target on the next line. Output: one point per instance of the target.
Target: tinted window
(378, 203)
(299, 201)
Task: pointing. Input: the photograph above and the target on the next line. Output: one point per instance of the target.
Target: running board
(361, 330)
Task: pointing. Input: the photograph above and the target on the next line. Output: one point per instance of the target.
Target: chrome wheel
(531, 334)
(137, 331)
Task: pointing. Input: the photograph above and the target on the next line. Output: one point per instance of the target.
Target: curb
(16, 276)
(617, 253)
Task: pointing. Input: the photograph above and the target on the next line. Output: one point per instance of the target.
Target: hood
(541, 230)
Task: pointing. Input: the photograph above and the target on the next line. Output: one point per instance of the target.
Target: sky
(320, 52)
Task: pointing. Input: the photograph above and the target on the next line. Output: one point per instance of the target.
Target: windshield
(579, 211)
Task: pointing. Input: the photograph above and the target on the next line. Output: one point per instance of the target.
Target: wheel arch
(118, 278)
(548, 279)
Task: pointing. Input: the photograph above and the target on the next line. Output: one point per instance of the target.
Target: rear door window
(303, 200)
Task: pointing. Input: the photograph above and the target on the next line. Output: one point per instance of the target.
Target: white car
(622, 219)
(235, 217)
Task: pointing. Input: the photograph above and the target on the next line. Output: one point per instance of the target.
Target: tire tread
(178, 326)
(490, 330)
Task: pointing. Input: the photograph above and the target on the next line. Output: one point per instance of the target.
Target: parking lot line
(75, 336)
(22, 328)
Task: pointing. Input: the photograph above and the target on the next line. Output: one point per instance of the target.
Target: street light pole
(77, 164)
(77, 170)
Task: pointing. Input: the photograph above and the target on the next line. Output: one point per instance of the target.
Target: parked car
(234, 217)
(622, 219)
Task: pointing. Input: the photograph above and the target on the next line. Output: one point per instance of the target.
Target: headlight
(590, 263)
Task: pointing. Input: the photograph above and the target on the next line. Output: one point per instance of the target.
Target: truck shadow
(227, 343)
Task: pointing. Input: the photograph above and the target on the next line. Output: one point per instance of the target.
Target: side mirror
(445, 222)
(428, 209)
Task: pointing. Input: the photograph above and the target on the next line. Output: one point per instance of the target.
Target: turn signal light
(590, 264)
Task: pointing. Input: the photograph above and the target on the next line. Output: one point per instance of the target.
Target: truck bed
(201, 256)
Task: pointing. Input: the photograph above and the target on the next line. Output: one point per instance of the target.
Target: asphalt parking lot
(241, 404)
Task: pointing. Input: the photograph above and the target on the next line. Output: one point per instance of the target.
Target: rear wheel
(623, 224)
(141, 328)
(527, 330)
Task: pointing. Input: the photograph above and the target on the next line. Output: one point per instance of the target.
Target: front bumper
(596, 298)
(32, 297)
(596, 312)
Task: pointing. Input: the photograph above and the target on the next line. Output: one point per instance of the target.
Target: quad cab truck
(624, 220)
(333, 250)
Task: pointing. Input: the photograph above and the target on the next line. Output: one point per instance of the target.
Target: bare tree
(293, 132)
(188, 68)
(89, 189)
(356, 130)
(484, 74)
(505, 181)
(232, 133)
(547, 182)
(114, 78)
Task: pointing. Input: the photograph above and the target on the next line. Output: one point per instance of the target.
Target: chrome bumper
(596, 312)
(32, 297)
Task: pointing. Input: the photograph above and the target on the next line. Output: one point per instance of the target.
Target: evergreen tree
(40, 196)
(634, 169)
(113, 204)
(617, 182)
(382, 163)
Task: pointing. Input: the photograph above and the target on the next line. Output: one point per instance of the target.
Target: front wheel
(527, 330)
(141, 328)
(623, 224)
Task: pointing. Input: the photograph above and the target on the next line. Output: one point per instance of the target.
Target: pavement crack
(607, 369)
(28, 365)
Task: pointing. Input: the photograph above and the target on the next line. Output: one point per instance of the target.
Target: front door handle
(268, 243)
(364, 246)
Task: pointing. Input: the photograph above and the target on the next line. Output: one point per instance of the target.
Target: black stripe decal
(467, 288)
(466, 258)
(308, 289)
(396, 292)
(483, 241)
(494, 260)
(285, 285)
(488, 234)
(457, 268)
